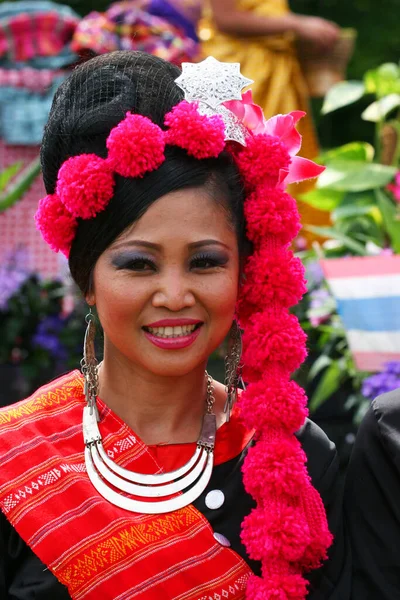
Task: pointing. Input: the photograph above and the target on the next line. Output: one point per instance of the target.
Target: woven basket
(322, 71)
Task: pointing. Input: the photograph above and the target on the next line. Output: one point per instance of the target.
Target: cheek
(220, 299)
(118, 301)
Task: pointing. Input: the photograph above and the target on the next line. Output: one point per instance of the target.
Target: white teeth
(172, 332)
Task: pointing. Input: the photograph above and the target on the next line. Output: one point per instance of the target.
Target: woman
(145, 196)
(260, 35)
(372, 502)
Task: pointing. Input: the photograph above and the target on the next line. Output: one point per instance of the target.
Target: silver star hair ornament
(210, 83)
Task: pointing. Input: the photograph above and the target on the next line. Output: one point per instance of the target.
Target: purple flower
(13, 274)
(314, 273)
(383, 382)
(47, 336)
(319, 298)
(393, 367)
(322, 305)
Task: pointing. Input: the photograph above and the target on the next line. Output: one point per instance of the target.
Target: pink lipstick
(173, 334)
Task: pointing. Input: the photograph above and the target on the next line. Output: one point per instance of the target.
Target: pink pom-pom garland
(271, 212)
(55, 223)
(85, 185)
(277, 587)
(261, 161)
(277, 463)
(272, 339)
(276, 531)
(288, 530)
(135, 146)
(270, 277)
(274, 402)
(201, 136)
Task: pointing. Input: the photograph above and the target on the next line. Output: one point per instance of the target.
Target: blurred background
(351, 238)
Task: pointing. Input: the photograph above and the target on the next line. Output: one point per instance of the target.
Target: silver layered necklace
(155, 494)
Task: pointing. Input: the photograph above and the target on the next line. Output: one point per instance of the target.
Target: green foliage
(14, 182)
(342, 94)
(355, 176)
(7, 174)
(365, 218)
(35, 333)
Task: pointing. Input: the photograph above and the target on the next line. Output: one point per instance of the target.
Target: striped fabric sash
(94, 548)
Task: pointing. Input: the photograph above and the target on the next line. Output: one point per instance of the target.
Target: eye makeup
(209, 259)
(133, 261)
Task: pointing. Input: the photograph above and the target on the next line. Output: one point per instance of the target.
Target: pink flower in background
(395, 187)
(282, 127)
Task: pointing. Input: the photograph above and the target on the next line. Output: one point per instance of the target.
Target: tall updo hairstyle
(87, 105)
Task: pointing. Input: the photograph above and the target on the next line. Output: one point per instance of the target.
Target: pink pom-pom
(56, 224)
(277, 587)
(201, 136)
(271, 212)
(135, 146)
(316, 552)
(276, 532)
(277, 465)
(262, 159)
(273, 402)
(270, 276)
(85, 185)
(272, 337)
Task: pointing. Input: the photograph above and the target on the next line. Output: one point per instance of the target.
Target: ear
(90, 299)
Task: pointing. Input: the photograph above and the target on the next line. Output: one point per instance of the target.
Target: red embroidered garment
(94, 548)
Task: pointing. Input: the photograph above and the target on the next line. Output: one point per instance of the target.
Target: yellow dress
(279, 86)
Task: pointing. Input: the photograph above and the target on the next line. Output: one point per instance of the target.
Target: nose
(174, 292)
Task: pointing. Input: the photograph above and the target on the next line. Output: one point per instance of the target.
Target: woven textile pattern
(94, 548)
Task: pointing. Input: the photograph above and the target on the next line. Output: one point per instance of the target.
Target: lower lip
(173, 343)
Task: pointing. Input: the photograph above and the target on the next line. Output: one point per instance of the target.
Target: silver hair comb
(211, 83)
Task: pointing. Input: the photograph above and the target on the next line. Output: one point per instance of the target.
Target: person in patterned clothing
(141, 476)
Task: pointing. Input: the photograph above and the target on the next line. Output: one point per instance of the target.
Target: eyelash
(210, 260)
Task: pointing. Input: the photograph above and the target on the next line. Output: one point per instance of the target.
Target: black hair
(87, 105)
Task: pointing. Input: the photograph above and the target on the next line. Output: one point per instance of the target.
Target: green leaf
(328, 385)
(342, 94)
(21, 184)
(8, 174)
(319, 364)
(352, 151)
(330, 232)
(355, 176)
(383, 81)
(390, 219)
(379, 109)
(324, 199)
(348, 211)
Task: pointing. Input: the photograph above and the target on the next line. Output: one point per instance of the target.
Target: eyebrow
(153, 246)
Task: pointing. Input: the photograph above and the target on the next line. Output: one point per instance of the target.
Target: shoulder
(322, 460)
(381, 424)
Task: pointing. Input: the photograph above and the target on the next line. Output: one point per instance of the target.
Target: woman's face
(165, 291)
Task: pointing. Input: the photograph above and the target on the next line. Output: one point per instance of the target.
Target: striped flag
(367, 292)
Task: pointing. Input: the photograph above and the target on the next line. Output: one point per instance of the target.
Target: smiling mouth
(178, 331)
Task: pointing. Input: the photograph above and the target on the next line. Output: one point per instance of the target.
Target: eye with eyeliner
(133, 262)
(208, 260)
(201, 261)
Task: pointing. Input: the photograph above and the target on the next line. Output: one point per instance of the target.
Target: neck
(158, 409)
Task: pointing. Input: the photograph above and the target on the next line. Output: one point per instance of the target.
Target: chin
(171, 363)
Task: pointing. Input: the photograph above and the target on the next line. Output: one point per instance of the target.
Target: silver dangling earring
(89, 365)
(232, 368)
